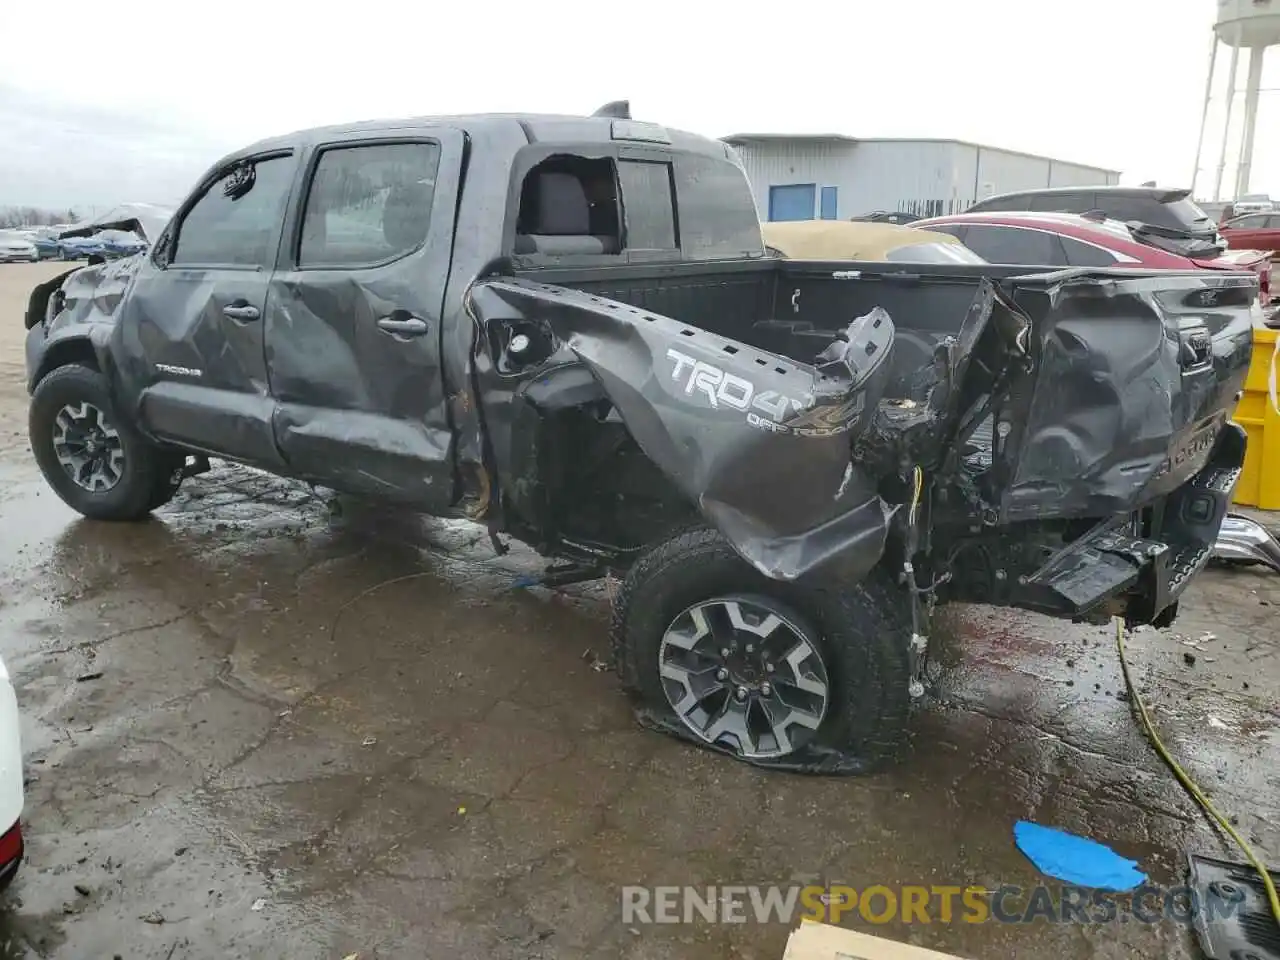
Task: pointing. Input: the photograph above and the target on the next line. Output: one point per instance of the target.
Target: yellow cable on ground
(1190, 785)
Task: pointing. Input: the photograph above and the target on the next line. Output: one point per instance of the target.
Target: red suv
(1256, 231)
(1071, 240)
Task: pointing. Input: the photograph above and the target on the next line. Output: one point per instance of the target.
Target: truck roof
(537, 128)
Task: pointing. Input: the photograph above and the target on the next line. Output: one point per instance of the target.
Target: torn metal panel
(91, 294)
(1131, 383)
(759, 442)
(1243, 540)
(71, 317)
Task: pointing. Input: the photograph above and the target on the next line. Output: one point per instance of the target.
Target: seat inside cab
(569, 205)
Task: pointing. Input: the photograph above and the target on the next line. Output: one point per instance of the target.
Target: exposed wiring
(1190, 785)
(919, 642)
(917, 479)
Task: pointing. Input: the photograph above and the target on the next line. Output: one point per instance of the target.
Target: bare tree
(35, 217)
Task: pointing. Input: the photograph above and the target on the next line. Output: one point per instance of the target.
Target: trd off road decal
(765, 409)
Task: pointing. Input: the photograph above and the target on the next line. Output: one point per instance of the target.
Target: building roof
(742, 138)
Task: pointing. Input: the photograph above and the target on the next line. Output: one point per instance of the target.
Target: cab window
(236, 221)
(368, 204)
(569, 205)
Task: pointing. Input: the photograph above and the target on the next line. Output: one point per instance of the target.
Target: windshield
(11, 235)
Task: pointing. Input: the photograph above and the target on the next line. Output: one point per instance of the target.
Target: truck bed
(1133, 372)
(795, 307)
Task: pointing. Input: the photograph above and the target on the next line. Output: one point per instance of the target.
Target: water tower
(1251, 25)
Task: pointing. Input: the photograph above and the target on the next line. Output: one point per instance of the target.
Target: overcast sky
(103, 104)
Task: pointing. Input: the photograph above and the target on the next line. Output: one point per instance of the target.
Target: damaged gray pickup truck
(569, 329)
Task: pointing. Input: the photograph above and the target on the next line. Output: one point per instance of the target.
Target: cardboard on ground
(821, 941)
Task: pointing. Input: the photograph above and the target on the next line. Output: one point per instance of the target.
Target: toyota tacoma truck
(569, 329)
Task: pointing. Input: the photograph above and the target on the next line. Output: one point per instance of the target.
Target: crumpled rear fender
(761, 443)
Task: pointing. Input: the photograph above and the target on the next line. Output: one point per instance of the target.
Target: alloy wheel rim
(88, 447)
(740, 673)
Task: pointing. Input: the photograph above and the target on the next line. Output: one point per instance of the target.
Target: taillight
(1264, 283)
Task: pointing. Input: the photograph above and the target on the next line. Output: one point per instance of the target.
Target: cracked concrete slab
(344, 717)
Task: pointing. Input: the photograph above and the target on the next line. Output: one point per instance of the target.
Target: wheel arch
(77, 349)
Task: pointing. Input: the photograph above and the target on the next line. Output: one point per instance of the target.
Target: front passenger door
(193, 320)
(354, 321)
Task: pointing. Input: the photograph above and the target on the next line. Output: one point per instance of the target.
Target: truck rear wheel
(763, 669)
(92, 458)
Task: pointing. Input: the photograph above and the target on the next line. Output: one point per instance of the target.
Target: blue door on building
(827, 208)
(792, 201)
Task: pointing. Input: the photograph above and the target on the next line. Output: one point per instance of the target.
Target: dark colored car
(120, 243)
(885, 216)
(589, 349)
(80, 248)
(1158, 207)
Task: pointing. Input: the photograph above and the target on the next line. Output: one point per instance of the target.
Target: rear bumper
(1112, 571)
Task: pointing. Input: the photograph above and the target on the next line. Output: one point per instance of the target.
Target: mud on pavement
(268, 724)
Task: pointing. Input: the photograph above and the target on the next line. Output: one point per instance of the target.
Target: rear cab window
(632, 204)
(236, 220)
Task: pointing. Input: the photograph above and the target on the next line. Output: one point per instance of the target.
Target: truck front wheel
(760, 668)
(91, 457)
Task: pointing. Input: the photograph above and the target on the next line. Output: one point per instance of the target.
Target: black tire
(146, 471)
(863, 632)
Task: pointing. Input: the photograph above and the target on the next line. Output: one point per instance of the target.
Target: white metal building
(834, 177)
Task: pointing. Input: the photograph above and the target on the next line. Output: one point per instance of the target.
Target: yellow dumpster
(1259, 484)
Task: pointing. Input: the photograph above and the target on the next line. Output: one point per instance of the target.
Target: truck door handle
(241, 311)
(404, 325)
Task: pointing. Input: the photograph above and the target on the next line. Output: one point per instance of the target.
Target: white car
(11, 795)
(14, 246)
(1253, 203)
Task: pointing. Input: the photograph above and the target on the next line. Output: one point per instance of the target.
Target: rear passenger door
(354, 318)
(194, 316)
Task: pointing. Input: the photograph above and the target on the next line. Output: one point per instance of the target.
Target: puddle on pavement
(352, 705)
